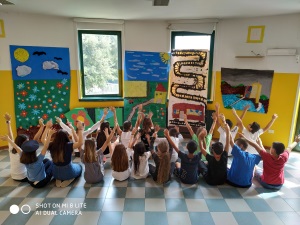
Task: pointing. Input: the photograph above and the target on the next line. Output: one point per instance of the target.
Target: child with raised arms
(93, 159)
(39, 169)
(18, 170)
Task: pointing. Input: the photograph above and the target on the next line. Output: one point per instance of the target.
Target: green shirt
(207, 140)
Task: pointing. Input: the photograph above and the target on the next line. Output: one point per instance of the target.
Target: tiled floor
(145, 202)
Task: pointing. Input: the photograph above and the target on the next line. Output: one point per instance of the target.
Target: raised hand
(49, 123)
(4, 137)
(150, 114)
(166, 132)
(156, 128)
(105, 111)
(57, 119)
(41, 122)
(52, 131)
(275, 116)
(7, 117)
(247, 107)
(106, 132)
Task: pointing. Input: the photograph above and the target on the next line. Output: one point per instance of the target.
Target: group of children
(131, 152)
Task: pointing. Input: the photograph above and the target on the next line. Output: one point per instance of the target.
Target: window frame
(100, 97)
(211, 55)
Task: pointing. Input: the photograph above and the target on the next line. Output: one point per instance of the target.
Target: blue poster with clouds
(146, 66)
(39, 63)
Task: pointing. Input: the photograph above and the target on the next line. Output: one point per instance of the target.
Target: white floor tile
(133, 218)
(155, 205)
(268, 218)
(111, 204)
(238, 205)
(135, 192)
(196, 205)
(178, 218)
(223, 218)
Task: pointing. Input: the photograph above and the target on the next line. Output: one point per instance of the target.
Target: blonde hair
(119, 159)
(164, 162)
(90, 155)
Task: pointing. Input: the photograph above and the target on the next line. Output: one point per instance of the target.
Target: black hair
(19, 140)
(173, 132)
(243, 142)
(279, 147)
(126, 125)
(101, 138)
(192, 146)
(229, 122)
(139, 150)
(217, 148)
(254, 127)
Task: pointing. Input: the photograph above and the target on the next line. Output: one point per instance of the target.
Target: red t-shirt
(273, 172)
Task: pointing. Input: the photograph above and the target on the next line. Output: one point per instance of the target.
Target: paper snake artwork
(188, 94)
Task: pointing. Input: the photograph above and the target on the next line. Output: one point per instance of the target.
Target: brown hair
(90, 151)
(146, 125)
(58, 146)
(119, 159)
(164, 162)
(28, 157)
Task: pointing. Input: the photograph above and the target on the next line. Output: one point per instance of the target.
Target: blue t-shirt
(189, 168)
(36, 170)
(241, 170)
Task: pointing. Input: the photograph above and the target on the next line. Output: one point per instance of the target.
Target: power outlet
(271, 131)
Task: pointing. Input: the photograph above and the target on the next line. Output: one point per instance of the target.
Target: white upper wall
(231, 35)
(280, 32)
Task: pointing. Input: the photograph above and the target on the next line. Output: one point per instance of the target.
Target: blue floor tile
(156, 218)
(93, 204)
(230, 193)
(63, 219)
(77, 192)
(154, 192)
(201, 218)
(116, 192)
(19, 218)
(134, 205)
(105, 183)
(39, 192)
(246, 218)
(217, 205)
(192, 193)
(258, 205)
(176, 205)
(4, 191)
(6, 203)
(136, 183)
(110, 218)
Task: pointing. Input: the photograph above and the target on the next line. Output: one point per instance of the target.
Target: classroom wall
(154, 36)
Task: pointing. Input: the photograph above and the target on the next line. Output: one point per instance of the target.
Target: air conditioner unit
(281, 51)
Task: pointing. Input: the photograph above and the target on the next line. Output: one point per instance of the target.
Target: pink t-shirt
(273, 172)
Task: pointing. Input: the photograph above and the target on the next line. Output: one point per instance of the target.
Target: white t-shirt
(120, 176)
(17, 170)
(143, 170)
(252, 137)
(84, 133)
(222, 138)
(125, 138)
(176, 141)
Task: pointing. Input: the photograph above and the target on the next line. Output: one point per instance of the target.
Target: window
(193, 40)
(100, 56)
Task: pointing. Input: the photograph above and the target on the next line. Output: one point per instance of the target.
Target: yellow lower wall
(282, 100)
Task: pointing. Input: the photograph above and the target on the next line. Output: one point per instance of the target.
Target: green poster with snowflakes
(36, 99)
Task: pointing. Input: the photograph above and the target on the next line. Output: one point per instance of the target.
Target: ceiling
(144, 9)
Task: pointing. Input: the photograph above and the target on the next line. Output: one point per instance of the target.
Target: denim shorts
(67, 172)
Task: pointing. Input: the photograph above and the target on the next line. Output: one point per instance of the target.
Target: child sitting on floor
(272, 175)
(215, 171)
(93, 159)
(188, 170)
